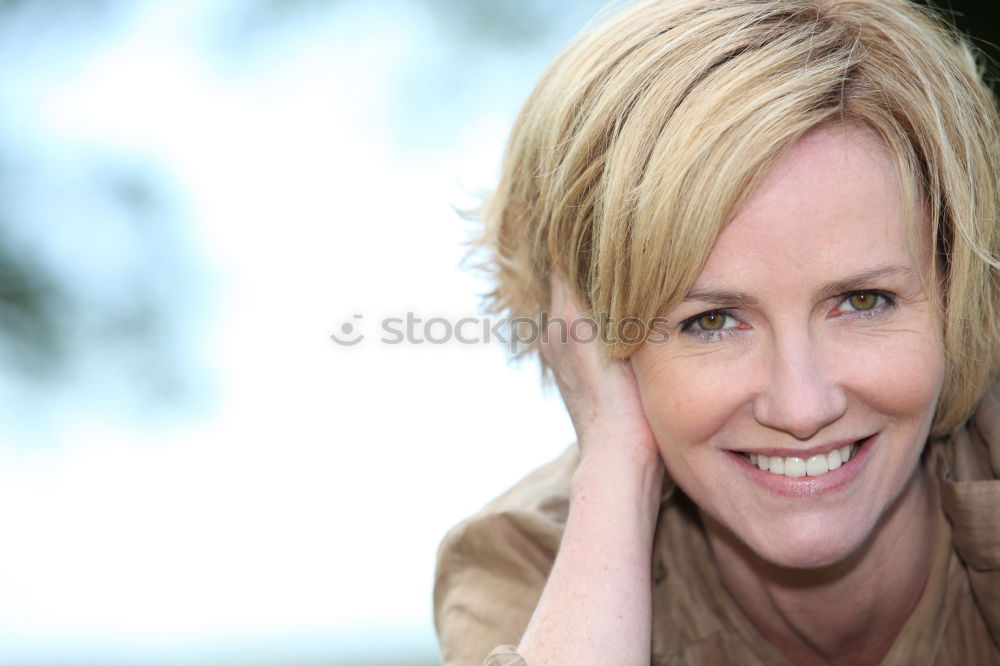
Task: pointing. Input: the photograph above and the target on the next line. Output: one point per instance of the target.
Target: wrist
(632, 478)
(634, 455)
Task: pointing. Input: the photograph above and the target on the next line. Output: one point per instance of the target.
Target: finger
(570, 345)
(562, 311)
(563, 302)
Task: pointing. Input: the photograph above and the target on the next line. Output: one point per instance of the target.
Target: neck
(849, 612)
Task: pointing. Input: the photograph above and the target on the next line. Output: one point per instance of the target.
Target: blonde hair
(644, 136)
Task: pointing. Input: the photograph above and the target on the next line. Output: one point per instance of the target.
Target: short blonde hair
(644, 136)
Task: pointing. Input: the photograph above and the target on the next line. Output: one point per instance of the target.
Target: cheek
(901, 377)
(687, 400)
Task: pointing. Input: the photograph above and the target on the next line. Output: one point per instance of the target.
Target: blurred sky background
(194, 195)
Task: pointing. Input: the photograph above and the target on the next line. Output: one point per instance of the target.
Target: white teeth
(797, 467)
(816, 465)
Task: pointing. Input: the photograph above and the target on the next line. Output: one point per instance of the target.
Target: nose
(801, 394)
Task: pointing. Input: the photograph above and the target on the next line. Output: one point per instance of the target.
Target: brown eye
(712, 321)
(863, 300)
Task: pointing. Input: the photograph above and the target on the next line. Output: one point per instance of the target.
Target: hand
(602, 397)
(596, 607)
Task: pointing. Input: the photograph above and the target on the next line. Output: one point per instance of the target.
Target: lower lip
(809, 486)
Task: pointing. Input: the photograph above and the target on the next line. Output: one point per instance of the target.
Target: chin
(816, 546)
(813, 554)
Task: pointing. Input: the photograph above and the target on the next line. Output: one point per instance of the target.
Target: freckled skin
(799, 368)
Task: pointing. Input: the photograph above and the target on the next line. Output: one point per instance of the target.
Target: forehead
(830, 205)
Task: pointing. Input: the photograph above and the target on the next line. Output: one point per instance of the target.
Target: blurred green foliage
(92, 252)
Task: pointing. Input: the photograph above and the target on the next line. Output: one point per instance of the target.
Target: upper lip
(804, 453)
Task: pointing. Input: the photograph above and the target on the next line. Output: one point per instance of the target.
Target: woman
(787, 472)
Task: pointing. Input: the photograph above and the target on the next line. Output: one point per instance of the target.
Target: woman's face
(807, 331)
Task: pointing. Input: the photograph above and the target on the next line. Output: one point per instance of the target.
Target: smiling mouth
(796, 467)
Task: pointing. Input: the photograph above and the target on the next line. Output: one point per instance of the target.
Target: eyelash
(688, 325)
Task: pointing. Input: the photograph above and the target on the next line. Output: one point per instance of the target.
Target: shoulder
(491, 567)
(967, 465)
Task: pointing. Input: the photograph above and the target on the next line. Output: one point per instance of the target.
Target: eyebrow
(853, 282)
(828, 290)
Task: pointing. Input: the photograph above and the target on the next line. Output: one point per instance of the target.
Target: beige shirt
(492, 567)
